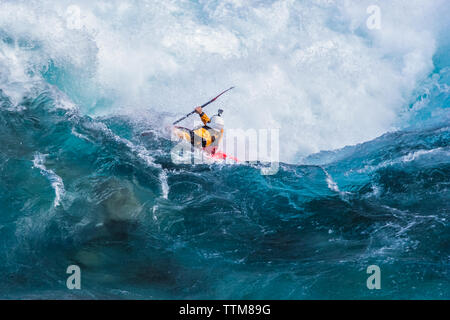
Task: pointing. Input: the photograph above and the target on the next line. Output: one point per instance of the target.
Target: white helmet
(216, 122)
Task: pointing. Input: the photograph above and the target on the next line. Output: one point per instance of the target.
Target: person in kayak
(207, 136)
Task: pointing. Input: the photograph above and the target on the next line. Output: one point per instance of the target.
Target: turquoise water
(80, 185)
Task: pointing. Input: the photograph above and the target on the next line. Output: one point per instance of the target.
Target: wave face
(80, 185)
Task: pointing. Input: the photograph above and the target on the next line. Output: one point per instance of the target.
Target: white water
(311, 68)
(55, 180)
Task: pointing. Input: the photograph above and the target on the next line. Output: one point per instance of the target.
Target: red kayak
(223, 156)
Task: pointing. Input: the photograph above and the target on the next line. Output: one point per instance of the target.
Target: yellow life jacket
(209, 137)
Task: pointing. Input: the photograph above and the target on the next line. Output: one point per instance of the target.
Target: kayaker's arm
(203, 116)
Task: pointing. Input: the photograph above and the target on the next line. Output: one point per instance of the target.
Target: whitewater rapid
(363, 178)
(312, 69)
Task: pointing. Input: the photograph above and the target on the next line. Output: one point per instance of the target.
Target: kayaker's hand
(199, 110)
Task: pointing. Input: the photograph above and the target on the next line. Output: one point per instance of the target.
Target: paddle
(204, 105)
